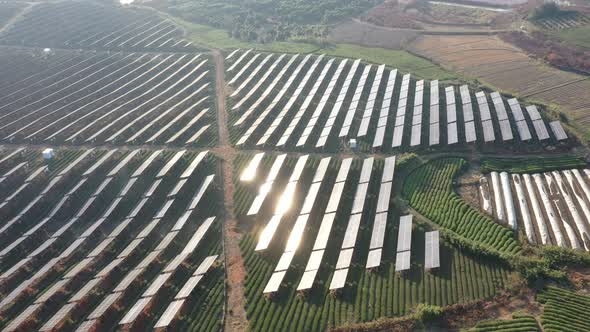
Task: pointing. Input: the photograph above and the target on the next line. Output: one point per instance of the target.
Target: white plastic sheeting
(508, 200)
(540, 219)
(499, 204)
(524, 208)
(562, 213)
(484, 193)
(544, 193)
(573, 210)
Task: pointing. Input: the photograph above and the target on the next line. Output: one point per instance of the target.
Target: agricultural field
(367, 294)
(326, 102)
(89, 25)
(95, 226)
(505, 67)
(517, 323)
(116, 98)
(563, 310)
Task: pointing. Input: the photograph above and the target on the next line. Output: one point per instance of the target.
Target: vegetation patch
(531, 164)
(429, 190)
(517, 323)
(564, 310)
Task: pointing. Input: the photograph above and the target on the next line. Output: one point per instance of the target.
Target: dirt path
(235, 314)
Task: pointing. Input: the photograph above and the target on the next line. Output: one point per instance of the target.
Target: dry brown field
(501, 65)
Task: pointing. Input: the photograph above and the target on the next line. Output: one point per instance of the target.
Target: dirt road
(235, 314)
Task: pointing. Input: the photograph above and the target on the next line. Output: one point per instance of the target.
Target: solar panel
(72, 248)
(276, 167)
(470, 134)
(20, 319)
(78, 267)
(153, 188)
(249, 173)
(384, 196)
(344, 259)
(268, 232)
(274, 283)
(523, 130)
(299, 167)
(296, 233)
(285, 261)
(533, 112)
(484, 112)
(338, 279)
(58, 317)
(106, 303)
(75, 162)
(558, 130)
(488, 131)
(205, 265)
(157, 284)
(99, 163)
(402, 261)
(169, 314)
(434, 137)
(468, 112)
(123, 163)
(85, 290)
(416, 135)
(451, 113)
(127, 187)
(378, 234)
(198, 235)
(129, 278)
(320, 173)
(516, 110)
(374, 258)
(379, 137)
(188, 287)
(286, 199)
(86, 326)
(130, 247)
(404, 238)
(310, 198)
(164, 209)
(52, 290)
(351, 231)
(541, 130)
(452, 134)
(359, 198)
(465, 95)
(148, 259)
(107, 269)
(432, 254)
(170, 163)
(307, 280)
(137, 208)
(324, 232)
(366, 170)
(506, 130)
(135, 311)
(193, 165)
(398, 133)
(177, 188)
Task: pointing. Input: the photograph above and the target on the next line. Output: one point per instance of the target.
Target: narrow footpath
(235, 314)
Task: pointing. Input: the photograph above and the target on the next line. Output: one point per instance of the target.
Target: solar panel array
(267, 186)
(154, 287)
(383, 115)
(468, 116)
(186, 290)
(558, 131)
(72, 273)
(538, 123)
(417, 115)
(283, 205)
(521, 124)
(298, 229)
(349, 242)
(404, 244)
(321, 142)
(452, 134)
(369, 107)
(249, 173)
(400, 116)
(380, 222)
(502, 116)
(434, 137)
(486, 117)
(356, 99)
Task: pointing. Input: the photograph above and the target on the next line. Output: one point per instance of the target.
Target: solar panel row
(404, 242)
(398, 130)
(298, 229)
(383, 114)
(355, 102)
(434, 131)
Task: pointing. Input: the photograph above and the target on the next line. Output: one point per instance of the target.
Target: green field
(577, 36)
(429, 190)
(518, 323)
(531, 164)
(564, 310)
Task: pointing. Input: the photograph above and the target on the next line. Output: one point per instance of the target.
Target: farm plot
(517, 323)
(429, 190)
(128, 219)
(162, 99)
(303, 257)
(509, 69)
(565, 21)
(553, 207)
(322, 104)
(563, 310)
(86, 25)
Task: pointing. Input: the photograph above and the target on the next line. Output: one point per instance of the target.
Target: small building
(352, 143)
(48, 154)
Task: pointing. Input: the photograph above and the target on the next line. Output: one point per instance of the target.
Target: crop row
(531, 164)
(524, 323)
(563, 310)
(429, 190)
